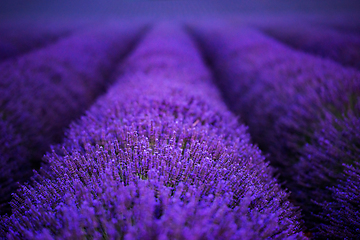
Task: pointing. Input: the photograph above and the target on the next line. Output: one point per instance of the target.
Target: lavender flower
(43, 91)
(147, 209)
(286, 98)
(156, 158)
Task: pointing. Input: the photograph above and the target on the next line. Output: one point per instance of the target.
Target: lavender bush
(158, 157)
(43, 91)
(290, 100)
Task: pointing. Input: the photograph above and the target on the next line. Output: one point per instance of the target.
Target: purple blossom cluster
(303, 111)
(158, 157)
(320, 40)
(43, 91)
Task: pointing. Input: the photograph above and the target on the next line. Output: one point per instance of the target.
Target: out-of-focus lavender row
(43, 91)
(17, 38)
(341, 47)
(290, 101)
(13, 164)
(346, 23)
(158, 157)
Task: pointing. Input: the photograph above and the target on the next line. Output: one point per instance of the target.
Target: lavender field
(233, 127)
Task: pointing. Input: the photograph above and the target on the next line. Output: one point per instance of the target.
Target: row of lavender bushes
(302, 110)
(319, 40)
(17, 38)
(44, 90)
(338, 137)
(345, 23)
(158, 157)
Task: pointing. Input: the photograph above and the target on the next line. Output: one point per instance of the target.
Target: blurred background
(164, 9)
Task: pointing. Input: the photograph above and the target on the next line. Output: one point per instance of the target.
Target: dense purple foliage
(43, 91)
(12, 161)
(323, 41)
(329, 161)
(293, 104)
(342, 215)
(158, 157)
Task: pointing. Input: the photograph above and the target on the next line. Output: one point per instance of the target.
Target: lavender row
(323, 41)
(43, 91)
(12, 157)
(287, 98)
(342, 214)
(17, 38)
(158, 157)
(346, 23)
(332, 159)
